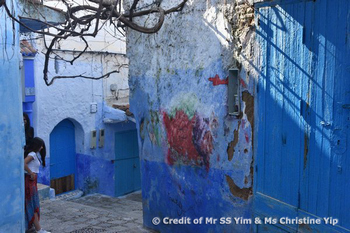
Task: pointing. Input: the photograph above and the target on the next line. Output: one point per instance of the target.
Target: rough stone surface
(93, 213)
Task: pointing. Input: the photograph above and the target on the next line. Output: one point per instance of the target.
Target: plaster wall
(196, 160)
(72, 99)
(11, 127)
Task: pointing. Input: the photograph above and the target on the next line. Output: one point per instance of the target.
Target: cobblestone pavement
(93, 213)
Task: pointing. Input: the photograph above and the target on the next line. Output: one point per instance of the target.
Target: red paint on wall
(243, 83)
(190, 142)
(179, 133)
(247, 138)
(217, 81)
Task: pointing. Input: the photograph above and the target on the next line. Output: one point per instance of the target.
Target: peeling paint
(249, 110)
(246, 180)
(236, 191)
(232, 145)
(230, 150)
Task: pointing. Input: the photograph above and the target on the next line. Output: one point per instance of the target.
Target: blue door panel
(124, 176)
(267, 207)
(62, 150)
(126, 146)
(303, 100)
(127, 163)
(271, 229)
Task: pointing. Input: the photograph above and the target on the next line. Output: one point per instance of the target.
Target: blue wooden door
(63, 157)
(302, 158)
(127, 163)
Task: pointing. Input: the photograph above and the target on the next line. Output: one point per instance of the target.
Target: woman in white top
(32, 162)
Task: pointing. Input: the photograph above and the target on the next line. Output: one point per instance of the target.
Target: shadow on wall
(302, 129)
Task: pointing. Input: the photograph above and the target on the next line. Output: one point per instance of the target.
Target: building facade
(285, 153)
(80, 119)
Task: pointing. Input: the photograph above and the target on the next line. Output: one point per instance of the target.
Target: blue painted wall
(11, 128)
(95, 175)
(96, 172)
(29, 84)
(195, 158)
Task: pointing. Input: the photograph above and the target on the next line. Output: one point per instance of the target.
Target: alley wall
(196, 159)
(83, 102)
(11, 127)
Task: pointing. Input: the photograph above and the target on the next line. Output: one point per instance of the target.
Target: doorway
(63, 157)
(127, 163)
(302, 160)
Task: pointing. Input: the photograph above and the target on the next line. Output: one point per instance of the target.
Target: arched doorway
(62, 157)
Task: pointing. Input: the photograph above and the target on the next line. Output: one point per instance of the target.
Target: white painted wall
(72, 98)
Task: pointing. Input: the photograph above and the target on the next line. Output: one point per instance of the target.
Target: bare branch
(86, 20)
(86, 77)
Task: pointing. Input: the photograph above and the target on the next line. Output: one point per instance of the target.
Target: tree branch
(85, 21)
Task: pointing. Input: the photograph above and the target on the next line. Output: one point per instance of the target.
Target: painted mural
(190, 141)
(195, 159)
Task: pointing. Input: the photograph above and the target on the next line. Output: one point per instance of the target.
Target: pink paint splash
(217, 81)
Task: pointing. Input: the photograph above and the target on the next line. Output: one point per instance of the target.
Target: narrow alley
(227, 115)
(93, 213)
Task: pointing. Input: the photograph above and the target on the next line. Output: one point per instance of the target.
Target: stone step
(44, 191)
(71, 195)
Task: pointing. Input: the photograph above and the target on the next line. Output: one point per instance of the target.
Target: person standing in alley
(29, 130)
(32, 162)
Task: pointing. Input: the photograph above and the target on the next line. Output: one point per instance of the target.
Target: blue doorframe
(303, 96)
(62, 150)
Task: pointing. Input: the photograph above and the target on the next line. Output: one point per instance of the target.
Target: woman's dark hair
(27, 123)
(35, 146)
(29, 131)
